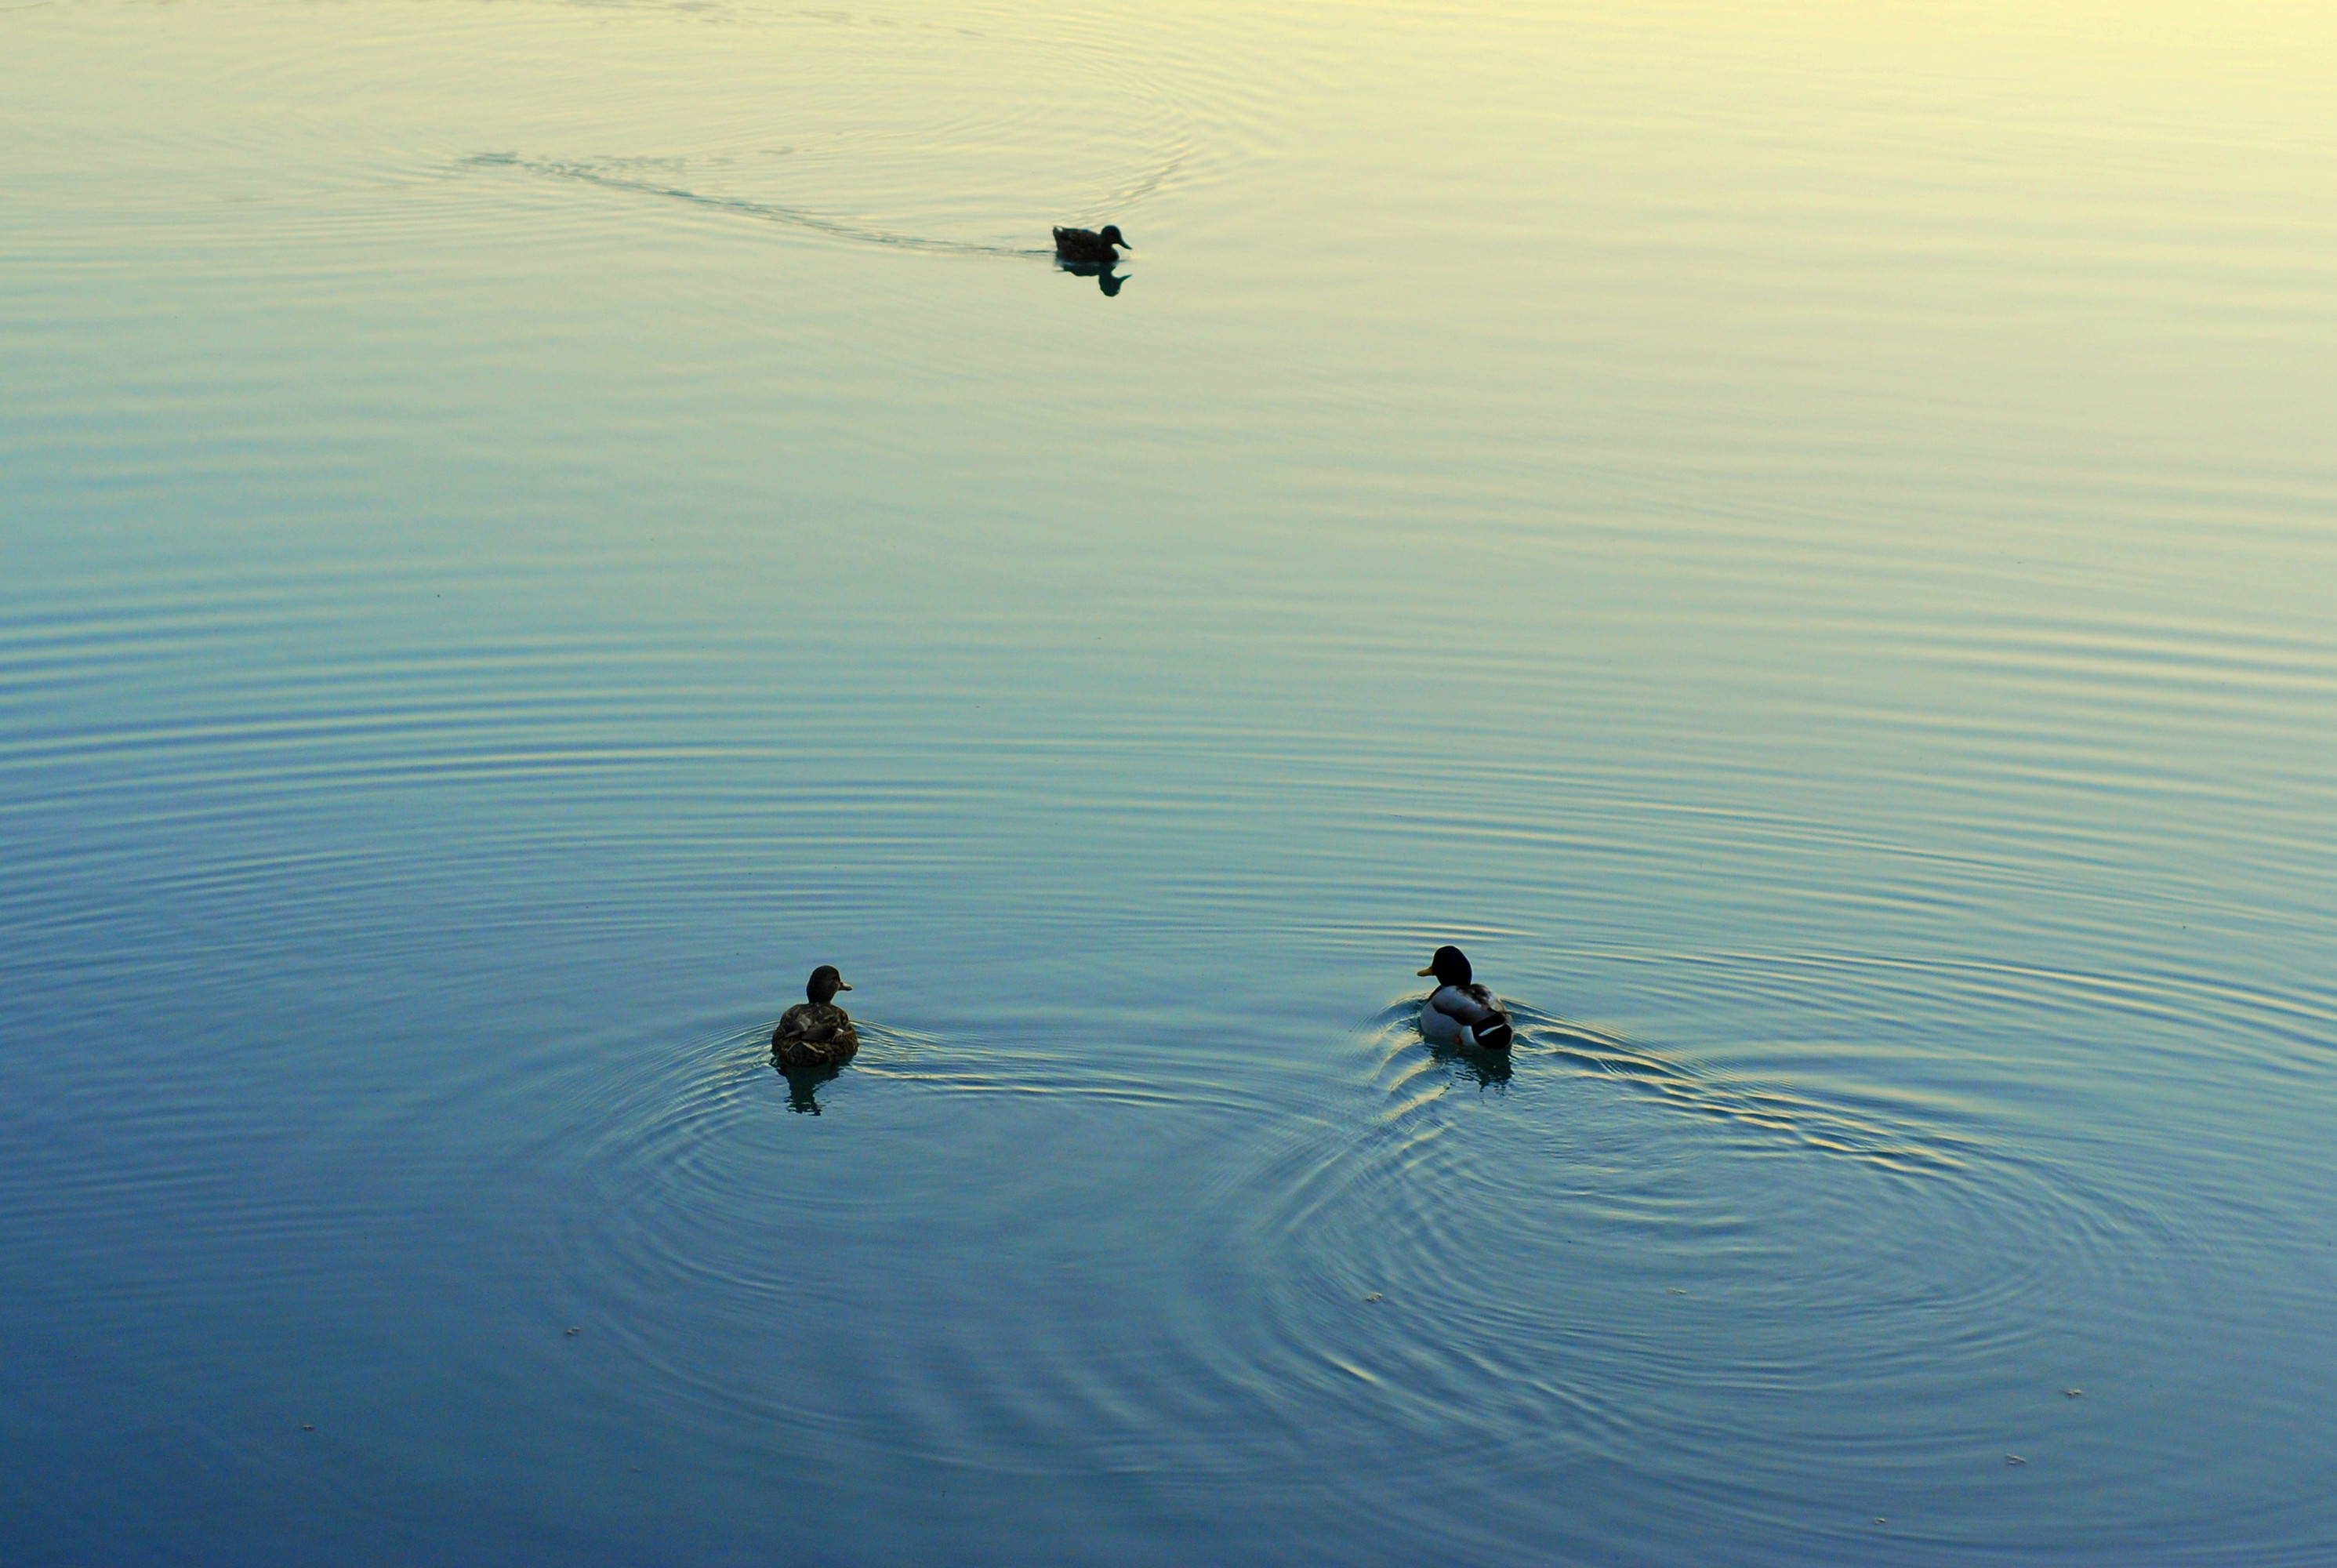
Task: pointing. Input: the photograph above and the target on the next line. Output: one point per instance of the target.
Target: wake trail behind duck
(763, 212)
(1769, 1111)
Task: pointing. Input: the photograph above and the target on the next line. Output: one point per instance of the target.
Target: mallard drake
(1086, 245)
(816, 1033)
(1460, 1012)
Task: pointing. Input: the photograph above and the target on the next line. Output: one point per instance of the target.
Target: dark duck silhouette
(1460, 1012)
(1088, 247)
(816, 1033)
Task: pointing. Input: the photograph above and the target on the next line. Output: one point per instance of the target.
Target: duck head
(825, 983)
(1110, 236)
(1450, 966)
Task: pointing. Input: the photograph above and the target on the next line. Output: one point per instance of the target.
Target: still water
(1800, 535)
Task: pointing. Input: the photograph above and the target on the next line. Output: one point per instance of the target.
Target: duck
(1460, 1012)
(1086, 245)
(816, 1033)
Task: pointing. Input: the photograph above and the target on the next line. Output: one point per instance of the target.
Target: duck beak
(1428, 971)
(840, 985)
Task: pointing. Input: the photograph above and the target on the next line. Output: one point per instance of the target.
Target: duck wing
(1462, 1006)
(811, 1021)
(813, 1035)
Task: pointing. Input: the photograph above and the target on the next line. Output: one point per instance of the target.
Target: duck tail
(1494, 1034)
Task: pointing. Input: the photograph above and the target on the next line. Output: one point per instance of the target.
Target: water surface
(1800, 536)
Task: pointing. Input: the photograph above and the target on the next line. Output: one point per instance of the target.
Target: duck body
(1464, 1015)
(816, 1032)
(1460, 1012)
(813, 1035)
(1086, 245)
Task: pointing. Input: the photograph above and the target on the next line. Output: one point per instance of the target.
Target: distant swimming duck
(1459, 1012)
(1086, 245)
(817, 1033)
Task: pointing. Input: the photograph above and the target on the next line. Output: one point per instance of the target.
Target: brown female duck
(1086, 245)
(816, 1033)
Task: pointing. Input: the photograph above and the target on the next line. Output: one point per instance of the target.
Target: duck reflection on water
(803, 1085)
(1486, 1069)
(1106, 278)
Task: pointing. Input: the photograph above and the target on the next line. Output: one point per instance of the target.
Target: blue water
(1803, 542)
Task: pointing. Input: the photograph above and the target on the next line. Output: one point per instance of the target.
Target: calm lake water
(1802, 536)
